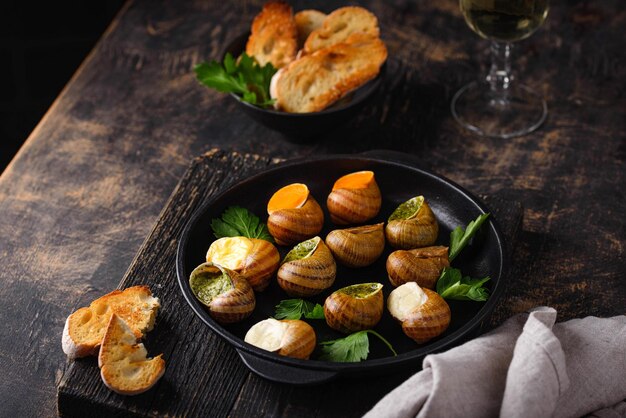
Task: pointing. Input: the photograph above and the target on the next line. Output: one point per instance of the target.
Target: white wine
(504, 20)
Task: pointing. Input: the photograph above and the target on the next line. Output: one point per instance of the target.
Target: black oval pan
(398, 182)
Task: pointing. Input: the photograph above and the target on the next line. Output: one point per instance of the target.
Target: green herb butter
(362, 290)
(303, 250)
(209, 282)
(408, 209)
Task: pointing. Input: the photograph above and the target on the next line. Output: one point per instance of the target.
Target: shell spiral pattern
(419, 231)
(357, 247)
(349, 314)
(354, 206)
(429, 320)
(308, 276)
(289, 226)
(420, 265)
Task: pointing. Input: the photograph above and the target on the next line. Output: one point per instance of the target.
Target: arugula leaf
(452, 285)
(297, 308)
(240, 222)
(245, 77)
(459, 238)
(354, 347)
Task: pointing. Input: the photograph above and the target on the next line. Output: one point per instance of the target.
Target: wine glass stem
(500, 75)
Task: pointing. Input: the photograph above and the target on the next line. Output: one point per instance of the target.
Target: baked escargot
(412, 225)
(423, 314)
(420, 265)
(289, 338)
(355, 198)
(354, 308)
(294, 215)
(256, 260)
(357, 247)
(226, 294)
(308, 269)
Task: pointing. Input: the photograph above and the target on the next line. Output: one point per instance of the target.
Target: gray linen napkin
(527, 367)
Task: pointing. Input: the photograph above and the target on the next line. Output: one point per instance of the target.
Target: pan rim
(375, 364)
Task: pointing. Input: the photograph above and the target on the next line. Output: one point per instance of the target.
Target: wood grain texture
(202, 372)
(84, 191)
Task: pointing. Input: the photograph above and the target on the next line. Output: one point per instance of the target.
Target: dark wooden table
(84, 191)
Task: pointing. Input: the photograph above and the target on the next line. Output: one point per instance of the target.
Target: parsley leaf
(244, 77)
(452, 285)
(316, 313)
(297, 308)
(354, 347)
(459, 238)
(240, 222)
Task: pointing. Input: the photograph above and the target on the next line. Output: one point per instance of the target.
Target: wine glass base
(476, 109)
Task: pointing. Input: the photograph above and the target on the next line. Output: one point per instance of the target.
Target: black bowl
(303, 127)
(398, 182)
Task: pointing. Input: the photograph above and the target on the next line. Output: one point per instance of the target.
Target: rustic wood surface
(83, 193)
(196, 357)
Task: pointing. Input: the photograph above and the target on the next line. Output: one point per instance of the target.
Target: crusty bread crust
(124, 366)
(339, 26)
(315, 81)
(306, 22)
(274, 37)
(84, 329)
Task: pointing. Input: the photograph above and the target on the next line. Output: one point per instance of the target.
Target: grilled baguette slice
(315, 81)
(124, 366)
(306, 22)
(339, 26)
(84, 329)
(274, 37)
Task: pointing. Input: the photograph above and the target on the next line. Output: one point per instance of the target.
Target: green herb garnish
(244, 77)
(297, 308)
(452, 285)
(459, 238)
(240, 222)
(354, 347)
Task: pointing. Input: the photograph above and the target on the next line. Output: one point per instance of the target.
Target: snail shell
(354, 205)
(310, 275)
(289, 226)
(423, 313)
(354, 308)
(256, 262)
(299, 339)
(421, 265)
(357, 247)
(420, 230)
(289, 338)
(229, 300)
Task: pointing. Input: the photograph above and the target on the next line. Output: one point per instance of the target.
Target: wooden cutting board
(204, 375)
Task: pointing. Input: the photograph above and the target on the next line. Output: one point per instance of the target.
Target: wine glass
(498, 106)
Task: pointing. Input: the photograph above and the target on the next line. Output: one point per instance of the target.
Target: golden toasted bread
(315, 81)
(339, 26)
(306, 22)
(84, 329)
(274, 37)
(124, 366)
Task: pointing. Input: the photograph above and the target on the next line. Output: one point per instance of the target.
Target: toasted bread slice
(274, 37)
(84, 329)
(306, 22)
(315, 81)
(123, 362)
(339, 26)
